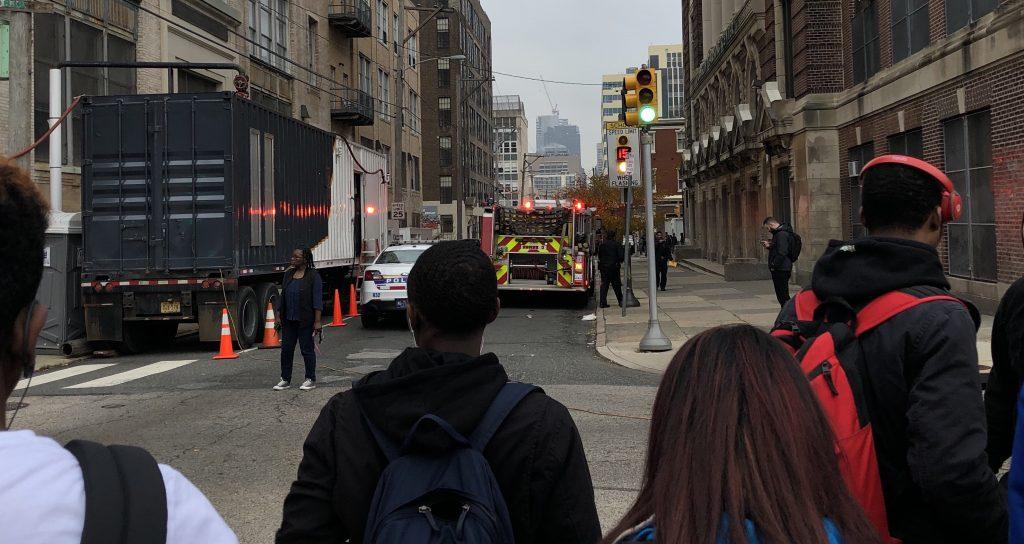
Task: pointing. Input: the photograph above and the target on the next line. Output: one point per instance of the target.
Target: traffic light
(640, 97)
(577, 206)
(622, 152)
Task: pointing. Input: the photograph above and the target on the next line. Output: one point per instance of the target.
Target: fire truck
(542, 245)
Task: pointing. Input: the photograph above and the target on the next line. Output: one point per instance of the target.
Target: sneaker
(307, 385)
(282, 385)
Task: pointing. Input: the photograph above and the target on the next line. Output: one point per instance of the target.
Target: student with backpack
(891, 356)
(783, 250)
(441, 446)
(740, 451)
(85, 492)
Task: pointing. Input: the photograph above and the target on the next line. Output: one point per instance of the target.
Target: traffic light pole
(655, 339)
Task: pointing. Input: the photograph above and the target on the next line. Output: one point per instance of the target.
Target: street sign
(398, 210)
(623, 146)
(616, 125)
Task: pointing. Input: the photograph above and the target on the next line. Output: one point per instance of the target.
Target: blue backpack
(448, 497)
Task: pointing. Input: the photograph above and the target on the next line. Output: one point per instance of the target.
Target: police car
(385, 280)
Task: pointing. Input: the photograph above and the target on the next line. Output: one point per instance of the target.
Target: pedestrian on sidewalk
(610, 256)
(662, 255)
(740, 451)
(430, 396)
(780, 258)
(45, 495)
(920, 366)
(1004, 381)
(300, 306)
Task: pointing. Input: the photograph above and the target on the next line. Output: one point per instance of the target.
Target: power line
(547, 80)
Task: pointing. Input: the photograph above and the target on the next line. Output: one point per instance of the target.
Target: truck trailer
(194, 202)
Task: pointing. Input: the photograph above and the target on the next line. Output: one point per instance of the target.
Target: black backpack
(125, 498)
(796, 245)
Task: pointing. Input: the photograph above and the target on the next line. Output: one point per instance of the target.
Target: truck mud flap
(103, 318)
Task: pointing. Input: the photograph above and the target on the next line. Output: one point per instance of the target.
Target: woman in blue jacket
(737, 434)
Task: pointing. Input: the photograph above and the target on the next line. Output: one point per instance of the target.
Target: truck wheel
(267, 293)
(247, 317)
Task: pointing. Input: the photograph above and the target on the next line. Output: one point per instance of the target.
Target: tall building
(458, 127)
(551, 175)
(668, 61)
(795, 117)
(557, 136)
(611, 98)
(511, 143)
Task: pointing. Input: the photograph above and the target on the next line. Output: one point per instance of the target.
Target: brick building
(789, 98)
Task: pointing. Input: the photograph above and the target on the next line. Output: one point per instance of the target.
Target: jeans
(610, 278)
(781, 280)
(662, 278)
(292, 332)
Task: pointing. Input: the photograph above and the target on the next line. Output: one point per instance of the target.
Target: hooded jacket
(778, 251)
(1004, 382)
(536, 455)
(923, 394)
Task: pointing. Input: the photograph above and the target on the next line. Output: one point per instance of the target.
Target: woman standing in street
(299, 317)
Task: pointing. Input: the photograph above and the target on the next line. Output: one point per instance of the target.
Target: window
(443, 73)
(783, 207)
(394, 31)
(909, 27)
(446, 190)
(865, 42)
(445, 157)
(972, 239)
(268, 30)
(384, 92)
(862, 154)
(417, 184)
(365, 75)
(382, 21)
(412, 120)
(444, 111)
(960, 13)
(413, 49)
(909, 143)
(443, 37)
(447, 225)
(191, 82)
(311, 62)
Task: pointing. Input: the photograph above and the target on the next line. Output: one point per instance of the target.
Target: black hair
(769, 219)
(23, 222)
(307, 256)
(894, 196)
(453, 287)
(609, 234)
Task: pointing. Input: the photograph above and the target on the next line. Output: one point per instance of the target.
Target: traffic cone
(225, 338)
(353, 309)
(270, 339)
(338, 321)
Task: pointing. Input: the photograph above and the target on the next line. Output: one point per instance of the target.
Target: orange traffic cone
(338, 321)
(353, 309)
(225, 338)
(270, 339)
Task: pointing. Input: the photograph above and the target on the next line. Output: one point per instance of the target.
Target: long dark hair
(737, 434)
(307, 257)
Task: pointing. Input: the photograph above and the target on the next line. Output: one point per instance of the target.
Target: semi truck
(194, 202)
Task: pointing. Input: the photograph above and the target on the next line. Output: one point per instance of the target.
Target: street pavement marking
(60, 375)
(134, 374)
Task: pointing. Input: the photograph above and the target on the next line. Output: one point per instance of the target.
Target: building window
(311, 62)
(394, 31)
(960, 13)
(268, 31)
(783, 207)
(909, 143)
(443, 73)
(444, 111)
(382, 21)
(412, 48)
(365, 75)
(443, 36)
(191, 82)
(972, 239)
(447, 225)
(445, 156)
(861, 155)
(412, 120)
(446, 190)
(865, 42)
(909, 27)
(384, 92)
(414, 167)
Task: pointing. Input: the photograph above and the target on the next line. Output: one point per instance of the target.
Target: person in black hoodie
(779, 263)
(536, 454)
(610, 255)
(921, 366)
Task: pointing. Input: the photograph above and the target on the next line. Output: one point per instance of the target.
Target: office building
(511, 143)
(668, 61)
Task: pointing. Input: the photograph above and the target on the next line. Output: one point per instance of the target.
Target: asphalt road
(221, 425)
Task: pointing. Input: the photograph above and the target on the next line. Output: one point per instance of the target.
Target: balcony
(351, 17)
(352, 107)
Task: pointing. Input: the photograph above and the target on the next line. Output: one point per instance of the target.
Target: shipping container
(194, 202)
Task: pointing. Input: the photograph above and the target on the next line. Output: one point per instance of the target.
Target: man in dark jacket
(536, 454)
(779, 263)
(920, 367)
(610, 254)
(1004, 382)
(662, 255)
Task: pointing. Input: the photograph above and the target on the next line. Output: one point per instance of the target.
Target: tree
(608, 201)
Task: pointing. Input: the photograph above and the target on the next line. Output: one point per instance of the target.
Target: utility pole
(20, 84)
(655, 339)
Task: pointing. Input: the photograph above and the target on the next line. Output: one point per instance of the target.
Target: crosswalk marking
(60, 375)
(134, 374)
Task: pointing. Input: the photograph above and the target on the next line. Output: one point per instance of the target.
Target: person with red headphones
(919, 366)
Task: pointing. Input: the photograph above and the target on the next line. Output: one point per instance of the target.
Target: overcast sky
(574, 40)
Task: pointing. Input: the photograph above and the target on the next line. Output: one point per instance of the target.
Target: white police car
(384, 282)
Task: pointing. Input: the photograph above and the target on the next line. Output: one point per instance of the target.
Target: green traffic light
(648, 114)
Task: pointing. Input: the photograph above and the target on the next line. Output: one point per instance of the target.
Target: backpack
(830, 355)
(448, 497)
(125, 498)
(796, 245)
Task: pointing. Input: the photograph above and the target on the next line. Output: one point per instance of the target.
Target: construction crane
(554, 107)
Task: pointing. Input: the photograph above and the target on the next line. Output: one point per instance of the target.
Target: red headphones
(952, 202)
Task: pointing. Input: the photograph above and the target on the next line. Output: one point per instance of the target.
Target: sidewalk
(697, 299)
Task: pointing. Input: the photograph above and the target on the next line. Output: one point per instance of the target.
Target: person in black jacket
(536, 455)
(299, 309)
(779, 263)
(920, 367)
(610, 254)
(1004, 382)
(662, 255)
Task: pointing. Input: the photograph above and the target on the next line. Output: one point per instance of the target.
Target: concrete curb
(601, 346)
(51, 361)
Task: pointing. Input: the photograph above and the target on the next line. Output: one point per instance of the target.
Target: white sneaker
(307, 385)
(282, 385)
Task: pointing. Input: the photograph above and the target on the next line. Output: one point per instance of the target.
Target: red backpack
(825, 341)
